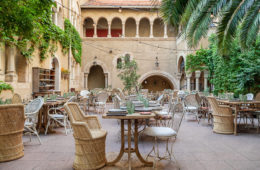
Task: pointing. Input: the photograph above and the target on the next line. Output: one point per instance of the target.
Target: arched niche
(130, 27)
(144, 27)
(102, 27)
(96, 77)
(88, 27)
(116, 27)
(158, 28)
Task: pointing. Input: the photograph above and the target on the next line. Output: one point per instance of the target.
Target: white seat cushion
(159, 132)
(57, 116)
(100, 103)
(162, 113)
(190, 108)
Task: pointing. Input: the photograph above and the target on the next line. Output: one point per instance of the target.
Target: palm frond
(228, 25)
(250, 26)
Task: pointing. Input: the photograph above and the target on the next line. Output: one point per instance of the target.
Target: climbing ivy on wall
(28, 25)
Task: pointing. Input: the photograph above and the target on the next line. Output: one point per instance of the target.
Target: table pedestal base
(131, 150)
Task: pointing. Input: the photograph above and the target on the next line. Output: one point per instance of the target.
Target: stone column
(188, 81)
(10, 70)
(151, 29)
(85, 80)
(197, 76)
(56, 18)
(165, 30)
(179, 81)
(137, 29)
(109, 30)
(106, 80)
(123, 30)
(206, 75)
(95, 30)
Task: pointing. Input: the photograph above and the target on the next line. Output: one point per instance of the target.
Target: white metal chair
(116, 101)
(168, 131)
(100, 104)
(60, 116)
(250, 96)
(191, 106)
(31, 114)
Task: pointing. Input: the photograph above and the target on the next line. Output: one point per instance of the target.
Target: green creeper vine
(28, 25)
(5, 86)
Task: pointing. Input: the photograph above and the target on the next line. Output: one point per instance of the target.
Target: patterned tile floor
(197, 148)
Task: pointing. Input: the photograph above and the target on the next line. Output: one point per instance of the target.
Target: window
(119, 63)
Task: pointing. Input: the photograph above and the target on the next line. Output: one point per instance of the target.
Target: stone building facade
(115, 28)
(109, 29)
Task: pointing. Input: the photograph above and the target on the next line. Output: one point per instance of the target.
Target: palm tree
(195, 17)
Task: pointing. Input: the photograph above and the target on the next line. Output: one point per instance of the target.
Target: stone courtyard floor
(196, 148)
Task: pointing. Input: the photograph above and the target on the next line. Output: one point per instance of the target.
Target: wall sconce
(156, 62)
(94, 62)
(120, 10)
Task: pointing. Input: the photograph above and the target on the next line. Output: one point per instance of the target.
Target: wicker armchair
(223, 120)
(89, 139)
(11, 132)
(16, 99)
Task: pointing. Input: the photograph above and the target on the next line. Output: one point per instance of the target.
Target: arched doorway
(96, 77)
(157, 83)
(56, 68)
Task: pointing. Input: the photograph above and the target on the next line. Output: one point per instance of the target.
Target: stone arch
(159, 73)
(158, 27)
(102, 27)
(88, 27)
(130, 27)
(98, 62)
(116, 27)
(144, 27)
(181, 64)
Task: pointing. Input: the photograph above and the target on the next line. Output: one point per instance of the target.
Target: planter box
(65, 75)
(6, 94)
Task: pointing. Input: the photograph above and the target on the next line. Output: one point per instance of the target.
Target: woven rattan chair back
(11, 131)
(191, 100)
(257, 97)
(16, 99)
(34, 106)
(217, 110)
(102, 97)
(116, 102)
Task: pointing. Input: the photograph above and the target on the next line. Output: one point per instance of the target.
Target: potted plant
(65, 73)
(6, 90)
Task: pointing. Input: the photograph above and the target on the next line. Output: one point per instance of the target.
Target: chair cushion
(190, 108)
(97, 133)
(57, 116)
(162, 113)
(159, 132)
(100, 103)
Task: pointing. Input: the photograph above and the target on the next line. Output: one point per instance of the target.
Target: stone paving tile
(196, 148)
(216, 165)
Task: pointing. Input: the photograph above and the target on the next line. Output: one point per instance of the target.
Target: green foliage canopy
(238, 73)
(196, 17)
